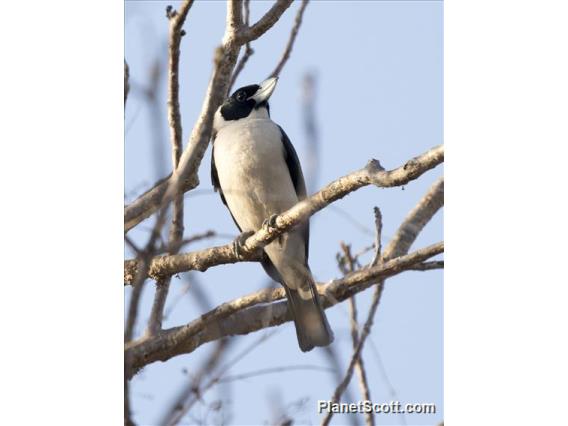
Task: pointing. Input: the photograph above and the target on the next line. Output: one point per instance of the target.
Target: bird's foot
(239, 242)
(270, 223)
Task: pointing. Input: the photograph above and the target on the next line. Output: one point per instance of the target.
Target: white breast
(252, 170)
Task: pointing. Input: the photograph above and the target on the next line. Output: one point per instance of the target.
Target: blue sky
(379, 86)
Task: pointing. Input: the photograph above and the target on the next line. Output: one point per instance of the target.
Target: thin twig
(356, 352)
(273, 370)
(333, 359)
(176, 21)
(143, 259)
(349, 218)
(137, 287)
(145, 256)
(248, 50)
(266, 22)
(378, 235)
(191, 282)
(349, 266)
(358, 341)
(291, 40)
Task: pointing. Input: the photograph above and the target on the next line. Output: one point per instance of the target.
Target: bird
(257, 173)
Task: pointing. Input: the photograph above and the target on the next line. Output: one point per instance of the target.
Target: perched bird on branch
(258, 175)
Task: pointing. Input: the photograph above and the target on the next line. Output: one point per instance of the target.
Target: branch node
(170, 12)
(374, 166)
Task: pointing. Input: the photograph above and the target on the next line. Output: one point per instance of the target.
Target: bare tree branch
(149, 202)
(185, 177)
(157, 312)
(416, 219)
(143, 259)
(291, 40)
(192, 388)
(359, 364)
(372, 173)
(400, 244)
(330, 353)
(137, 284)
(176, 32)
(248, 50)
(155, 323)
(235, 16)
(176, 21)
(357, 351)
(266, 22)
(378, 236)
(242, 316)
(359, 341)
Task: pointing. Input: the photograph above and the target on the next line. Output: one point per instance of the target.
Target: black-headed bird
(258, 175)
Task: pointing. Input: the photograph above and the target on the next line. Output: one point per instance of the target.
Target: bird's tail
(311, 323)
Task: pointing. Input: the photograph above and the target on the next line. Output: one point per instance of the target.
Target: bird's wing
(217, 185)
(297, 177)
(294, 167)
(215, 177)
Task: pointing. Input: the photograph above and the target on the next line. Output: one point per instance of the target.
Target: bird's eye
(241, 96)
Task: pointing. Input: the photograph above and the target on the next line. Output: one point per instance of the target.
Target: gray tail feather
(311, 323)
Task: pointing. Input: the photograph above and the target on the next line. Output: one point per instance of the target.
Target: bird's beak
(265, 90)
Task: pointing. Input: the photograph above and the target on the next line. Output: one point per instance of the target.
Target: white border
(61, 306)
(506, 115)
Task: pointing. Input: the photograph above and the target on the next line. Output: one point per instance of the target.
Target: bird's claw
(239, 242)
(270, 223)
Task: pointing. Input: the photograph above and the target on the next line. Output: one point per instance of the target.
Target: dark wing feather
(297, 176)
(217, 185)
(293, 166)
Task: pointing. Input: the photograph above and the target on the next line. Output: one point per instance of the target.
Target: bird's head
(248, 102)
